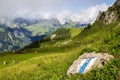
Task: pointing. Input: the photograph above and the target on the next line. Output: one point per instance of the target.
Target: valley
(49, 57)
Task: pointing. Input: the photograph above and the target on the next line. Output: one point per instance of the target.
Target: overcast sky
(61, 9)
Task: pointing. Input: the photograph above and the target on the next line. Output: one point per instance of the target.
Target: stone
(5, 63)
(111, 15)
(87, 61)
(53, 36)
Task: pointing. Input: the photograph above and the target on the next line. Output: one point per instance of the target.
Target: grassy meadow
(51, 58)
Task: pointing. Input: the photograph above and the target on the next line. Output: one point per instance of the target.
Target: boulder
(53, 36)
(87, 61)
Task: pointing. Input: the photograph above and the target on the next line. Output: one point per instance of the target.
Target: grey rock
(100, 59)
(111, 15)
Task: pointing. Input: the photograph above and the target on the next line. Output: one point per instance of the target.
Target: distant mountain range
(22, 31)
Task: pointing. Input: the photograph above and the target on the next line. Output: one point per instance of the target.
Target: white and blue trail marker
(85, 65)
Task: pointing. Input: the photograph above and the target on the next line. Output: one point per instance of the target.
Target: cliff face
(111, 15)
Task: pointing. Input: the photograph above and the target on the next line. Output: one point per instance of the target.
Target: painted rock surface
(87, 61)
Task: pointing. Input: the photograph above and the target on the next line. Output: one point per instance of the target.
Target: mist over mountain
(73, 10)
(60, 40)
(25, 21)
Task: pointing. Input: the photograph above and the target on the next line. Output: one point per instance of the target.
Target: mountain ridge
(50, 58)
(111, 15)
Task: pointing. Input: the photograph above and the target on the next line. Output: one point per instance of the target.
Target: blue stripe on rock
(82, 68)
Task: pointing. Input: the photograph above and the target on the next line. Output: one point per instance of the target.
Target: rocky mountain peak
(117, 2)
(111, 15)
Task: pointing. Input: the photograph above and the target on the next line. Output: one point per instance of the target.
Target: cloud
(90, 14)
(85, 16)
(12, 7)
(63, 10)
(64, 16)
(21, 7)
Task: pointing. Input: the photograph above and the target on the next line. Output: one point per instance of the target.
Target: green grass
(51, 62)
(75, 31)
(36, 29)
(40, 28)
(9, 57)
(51, 66)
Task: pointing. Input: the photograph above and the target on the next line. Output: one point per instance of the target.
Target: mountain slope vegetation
(59, 58)
(22, 31)
(49, 59)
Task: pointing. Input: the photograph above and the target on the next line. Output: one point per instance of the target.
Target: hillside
(13, 38)
(49, 58)
(111, 15)
(21, 32)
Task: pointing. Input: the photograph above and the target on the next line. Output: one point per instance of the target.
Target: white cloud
(90, 14)
(85, 16)
(64, 16)
(11, 7)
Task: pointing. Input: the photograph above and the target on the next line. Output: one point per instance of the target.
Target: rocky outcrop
(87, 61)
(108, 17)
(53, 36)
(111, 15)
(117, 2)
